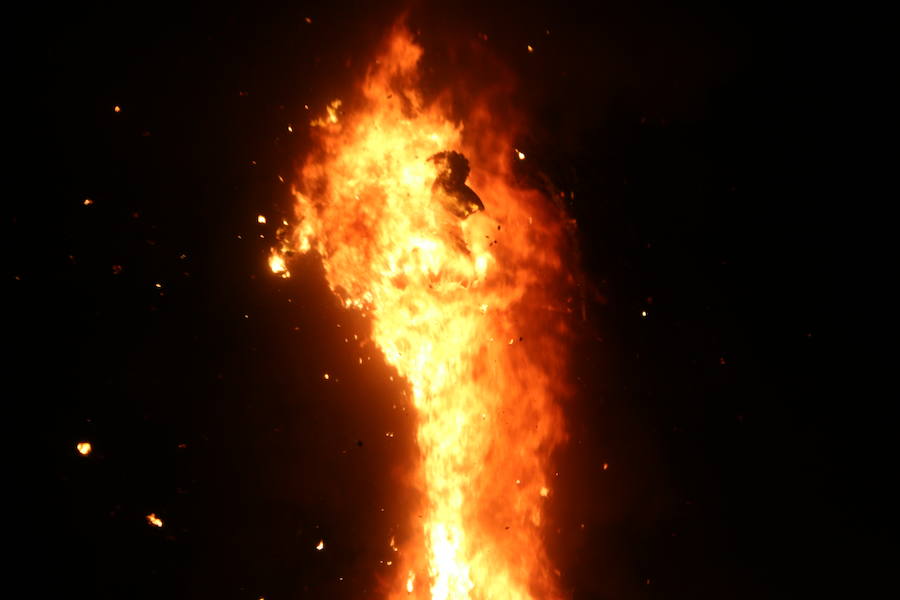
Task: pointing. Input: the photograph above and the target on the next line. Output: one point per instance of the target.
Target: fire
(276, 264)
(84, 448)
(465, 303)
(154, 520)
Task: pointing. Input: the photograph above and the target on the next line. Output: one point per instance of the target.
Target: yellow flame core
(446, 298)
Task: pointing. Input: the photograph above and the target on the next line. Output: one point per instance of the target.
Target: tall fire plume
(468, 304)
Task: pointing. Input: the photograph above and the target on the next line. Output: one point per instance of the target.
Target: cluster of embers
(450, 184)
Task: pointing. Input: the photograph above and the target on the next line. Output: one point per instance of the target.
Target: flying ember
(419, 224)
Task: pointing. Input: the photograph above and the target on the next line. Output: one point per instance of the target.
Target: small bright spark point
(261, 219)
(605, 466)
(409, 582)
(84, 448)
(545, 492)
(321, 545)
(308, 20)
(327, 376)
(157, 285)
(643, 313)
(290, 129)
(520, 154)
(117, 108)
(154, 520)
(530, 49)
(88, 201)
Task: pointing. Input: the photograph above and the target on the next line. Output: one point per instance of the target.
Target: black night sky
(204, 399)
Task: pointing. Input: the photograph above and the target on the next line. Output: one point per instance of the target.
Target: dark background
(680, 133)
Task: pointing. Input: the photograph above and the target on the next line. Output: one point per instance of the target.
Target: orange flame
(467, 309)
(154, 520)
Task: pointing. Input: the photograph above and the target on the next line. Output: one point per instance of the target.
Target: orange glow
(320, 545)
(154, 520)
(84, 448)
(276, 264)
(465, 303)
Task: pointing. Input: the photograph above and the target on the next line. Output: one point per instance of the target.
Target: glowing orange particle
(154, 520)
(84, 448)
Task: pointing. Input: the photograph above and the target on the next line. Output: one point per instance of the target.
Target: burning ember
(419, 225)
(154, 520)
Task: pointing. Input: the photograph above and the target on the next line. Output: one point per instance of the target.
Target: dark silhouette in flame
(450, 184)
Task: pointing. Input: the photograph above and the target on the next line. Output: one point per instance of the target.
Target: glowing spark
(530, 49)
(643, 313)
(520, 154)
(326, 376)
(154, 520)
(320, 545)
(261, 219)
(545, 492)
(409, 582)
(84, 448)
(117, 108)
(88, 201)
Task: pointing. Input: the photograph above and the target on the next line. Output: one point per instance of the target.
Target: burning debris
(152, 519)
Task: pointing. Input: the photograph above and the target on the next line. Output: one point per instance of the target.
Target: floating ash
(420, 226)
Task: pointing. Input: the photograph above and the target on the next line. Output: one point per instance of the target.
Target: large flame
(468, 310)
